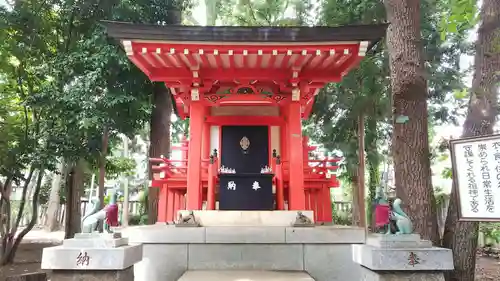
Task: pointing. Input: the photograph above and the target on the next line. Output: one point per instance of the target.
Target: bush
(491, 233)
(138, 219)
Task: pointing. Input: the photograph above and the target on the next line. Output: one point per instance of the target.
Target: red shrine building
(245, 91)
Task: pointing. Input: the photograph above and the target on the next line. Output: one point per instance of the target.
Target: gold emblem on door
(244, 143)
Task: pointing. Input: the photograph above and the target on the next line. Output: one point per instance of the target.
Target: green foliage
(63, 83)
(139, 219)
(64, 80)
(366, 89)
(263, 13)
(340, 217)
(491, 233)
(45, 191)
(108, 197)
(441, 197)
(461, 15)
(142, 217)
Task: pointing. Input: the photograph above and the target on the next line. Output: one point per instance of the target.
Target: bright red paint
(205, 76)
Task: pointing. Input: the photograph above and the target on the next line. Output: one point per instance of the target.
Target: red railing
(319, 177)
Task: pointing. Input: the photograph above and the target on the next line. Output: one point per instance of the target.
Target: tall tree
(462, 237)
(159, 135)
(410, 143)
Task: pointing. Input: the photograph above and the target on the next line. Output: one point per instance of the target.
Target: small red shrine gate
(242, 76)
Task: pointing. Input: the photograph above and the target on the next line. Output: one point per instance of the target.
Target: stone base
(397, 241)
(61, 258)
(126, 274)
(97, 235)
(231, 275)
(170, 251)
(246, 218)
(92, 251)
(83, 242)
(368, 275)
(169, 234)
(405, 252)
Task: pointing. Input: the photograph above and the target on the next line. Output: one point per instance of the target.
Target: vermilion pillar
(283, 142)
(206, 138)
(196, 118)
(297, 199)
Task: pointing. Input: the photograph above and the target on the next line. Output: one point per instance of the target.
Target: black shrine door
(246, 150)
(251, 159)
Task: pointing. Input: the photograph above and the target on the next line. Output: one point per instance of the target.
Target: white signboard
(476, 172)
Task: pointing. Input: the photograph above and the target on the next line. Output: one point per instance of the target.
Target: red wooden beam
(238, 49)
(176, 74)
(245, 120)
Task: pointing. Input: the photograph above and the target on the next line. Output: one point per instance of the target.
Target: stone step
(236, 275)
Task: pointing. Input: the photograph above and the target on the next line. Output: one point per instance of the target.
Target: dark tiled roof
(134, 31)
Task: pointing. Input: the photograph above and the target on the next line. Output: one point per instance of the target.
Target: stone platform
(92, 257)
(401, 257)
(92, 252)
(246, 218)
(324, 252)
(236, 275)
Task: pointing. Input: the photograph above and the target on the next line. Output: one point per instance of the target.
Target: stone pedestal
(171, 252)
(401, 257)
(246, 218)
(92, 257)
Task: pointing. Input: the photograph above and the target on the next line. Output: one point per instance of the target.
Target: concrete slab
(169, 234)
(325, 235)
(162, 262)
(95, 243)
(247, 218)
(246, 257)
(403, 259)
(368, 275)
(62, 258)
(235, 275)
(245, 234)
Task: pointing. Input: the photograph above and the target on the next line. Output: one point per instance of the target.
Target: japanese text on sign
(471, 181)
(476, 168)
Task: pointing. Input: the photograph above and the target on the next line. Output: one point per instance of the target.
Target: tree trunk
(74, 187)
(355, 197)
(211, 11)
(125, 209)
(102, 170)
(159, 139)
(462, 237)
(10, 252)
(54, 198)
(5, 212)
(361, 171)
(373, 161)
(410, 144)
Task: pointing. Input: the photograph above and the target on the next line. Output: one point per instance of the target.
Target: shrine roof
(215, 64)
(135, 31)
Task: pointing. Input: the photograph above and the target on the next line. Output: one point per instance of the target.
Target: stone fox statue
(90, 220)
(109, 214)
(381, 209)
(402, 220)
(389, 216)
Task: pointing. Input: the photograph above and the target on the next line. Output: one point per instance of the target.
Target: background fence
(342, 208)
